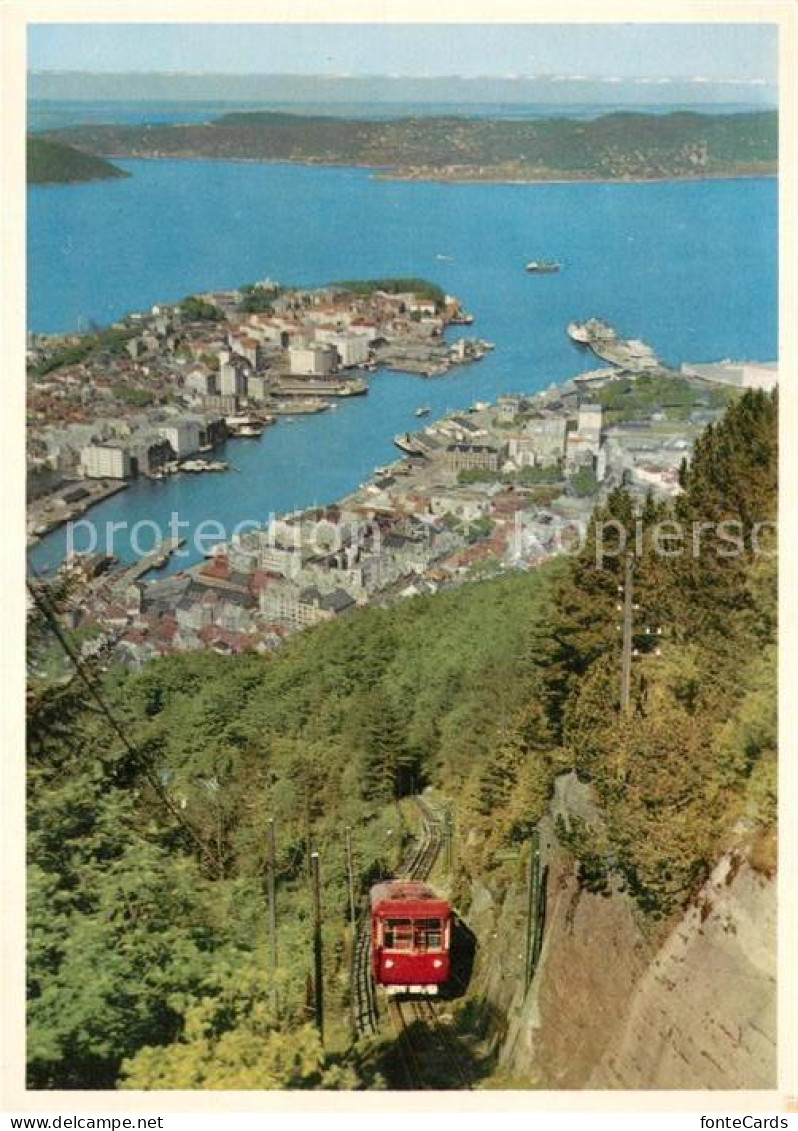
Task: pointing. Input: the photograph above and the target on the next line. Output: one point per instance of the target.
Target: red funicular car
(411, 931)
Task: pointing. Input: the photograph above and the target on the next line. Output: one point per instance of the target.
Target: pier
(628, 355)
(156, 559)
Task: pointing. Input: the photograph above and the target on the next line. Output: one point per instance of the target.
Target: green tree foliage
(421, 288)
(234, 1041)
(699, 746)
(629, 398)
(257, 299)
(584, 482)
(195, 309)
(249, 1055)
(138, 398)
(51, 162)
(377, 732)
(111, 341)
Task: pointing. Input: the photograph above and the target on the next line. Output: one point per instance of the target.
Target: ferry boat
(594, 330)
(248, 426)
(577, 332)
(404, 441)
(543, 266)
(196, 465)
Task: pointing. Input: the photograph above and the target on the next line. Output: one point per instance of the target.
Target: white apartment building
(232, 382)
(104, 461)
(312, 361)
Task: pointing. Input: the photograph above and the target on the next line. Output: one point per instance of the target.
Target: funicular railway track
(428, 1044)
(421, 1035)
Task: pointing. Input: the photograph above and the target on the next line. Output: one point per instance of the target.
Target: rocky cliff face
(610, 1006)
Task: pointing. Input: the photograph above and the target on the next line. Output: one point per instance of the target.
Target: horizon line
(644, 80)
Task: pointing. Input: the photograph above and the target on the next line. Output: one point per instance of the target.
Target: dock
(156, 559)
(320, 387)
(72, 500)
(628, 355)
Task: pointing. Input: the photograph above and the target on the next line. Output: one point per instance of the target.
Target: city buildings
(183, 435)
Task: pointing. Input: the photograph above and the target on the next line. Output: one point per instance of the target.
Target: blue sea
(690, 267)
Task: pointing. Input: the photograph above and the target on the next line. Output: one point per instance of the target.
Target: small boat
(424, 410)
(543, 266)
(577, 332)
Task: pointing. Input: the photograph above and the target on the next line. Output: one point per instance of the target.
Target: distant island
(618, 146)
(51, 162)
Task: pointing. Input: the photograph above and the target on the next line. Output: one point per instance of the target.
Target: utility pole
(626, 646)
(308, 834)
(350, 876)
(272, 873)
(533, 907)
(318, 986)
(449, 826)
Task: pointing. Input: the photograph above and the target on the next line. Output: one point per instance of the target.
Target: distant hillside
(51, 162)
(621, 146)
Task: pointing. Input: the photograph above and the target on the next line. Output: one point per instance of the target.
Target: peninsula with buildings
(156, 392)
(502, 486)
(619, 146)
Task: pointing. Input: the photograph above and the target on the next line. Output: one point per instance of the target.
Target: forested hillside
(51, 162)
(616, 146)
(148, 960)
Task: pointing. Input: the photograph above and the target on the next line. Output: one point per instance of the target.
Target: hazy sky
(734, 55)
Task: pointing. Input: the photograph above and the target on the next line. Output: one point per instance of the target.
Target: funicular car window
(429, 934)
(399, 934)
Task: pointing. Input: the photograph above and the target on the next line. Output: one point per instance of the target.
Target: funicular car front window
(428, 934)
(398, 934)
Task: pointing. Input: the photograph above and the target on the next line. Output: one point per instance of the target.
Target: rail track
(426, 1047)
(430, 1054)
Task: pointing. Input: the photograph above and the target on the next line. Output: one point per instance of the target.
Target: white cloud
(728, 82)
(637, 80)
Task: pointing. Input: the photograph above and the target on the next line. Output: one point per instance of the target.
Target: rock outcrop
(612, 1005)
